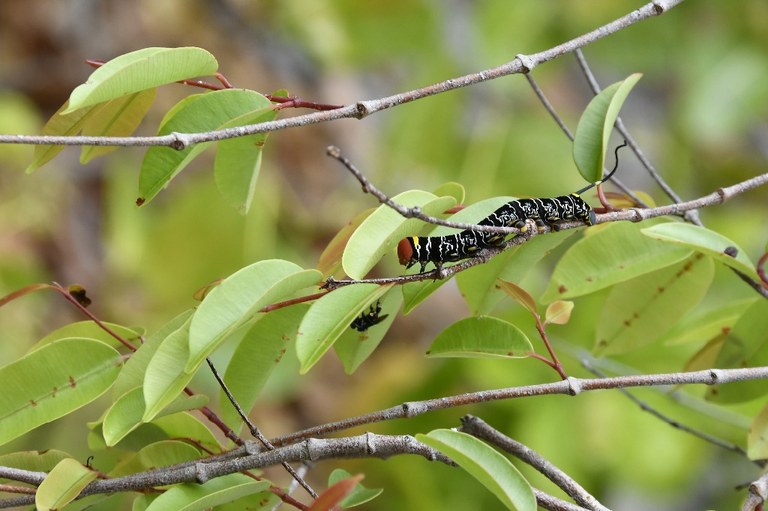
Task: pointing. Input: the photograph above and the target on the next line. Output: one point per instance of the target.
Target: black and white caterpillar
(467, 243)
(369, 318)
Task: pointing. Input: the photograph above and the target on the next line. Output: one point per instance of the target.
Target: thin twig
(407, 212)
(675, 424)
(521, 64)
(691, 215)
(572, 386)
(255, 431)
(479, 428)
(302, 472)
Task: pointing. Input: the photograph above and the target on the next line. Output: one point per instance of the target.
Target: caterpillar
(368, 319)
(466, 244)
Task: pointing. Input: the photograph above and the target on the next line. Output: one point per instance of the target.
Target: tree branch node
(362, 109)
(180, 141)
(574, 386)
(526, 62)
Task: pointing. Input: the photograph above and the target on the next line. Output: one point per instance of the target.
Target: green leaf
(708, 324)
(451, 189)
(485, 464)
(186, 425)
(706, 356)
(384, 228)
(329, 317)
(157, 454)
(705, 241)
(353, 347)
(197, 113)
(52, 382)
(125, 415)
(595, 126)
(637, 312)
(757, 440)
(140, 70)
(35, 461)
(238, 299)
(91, 330)
(483, 336)
(58, 124)
(480, 285)
(165, 378)
(135, 367)
(115, 118)
(238, 161)
(746, 345)
(167, 427)
(330, 260)
(63, 484)
(615, 253)
(256, 356)
(194, 497)
(359, 495)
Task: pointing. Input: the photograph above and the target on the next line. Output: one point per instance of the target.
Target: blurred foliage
(699, 114)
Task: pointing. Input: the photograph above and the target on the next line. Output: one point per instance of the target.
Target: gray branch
(572, 387)
(367, 445)
(480, 429)
(360, 109)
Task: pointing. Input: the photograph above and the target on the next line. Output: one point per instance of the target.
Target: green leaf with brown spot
(706, 241)
(257, 354)
(757, 441)
(53, 381)
(614, 253)
(746, 345)
(637, 312)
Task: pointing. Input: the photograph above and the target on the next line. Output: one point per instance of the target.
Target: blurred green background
(699, 113)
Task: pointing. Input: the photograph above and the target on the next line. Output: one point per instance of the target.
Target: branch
(483, 256)
(480, 429)
(571, 387)
(367, 445)
(675, 424)
(521, 64)
(758, 494)
(255, 431)
(547, 501)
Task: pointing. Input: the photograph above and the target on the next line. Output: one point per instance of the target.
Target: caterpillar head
(405, 252)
